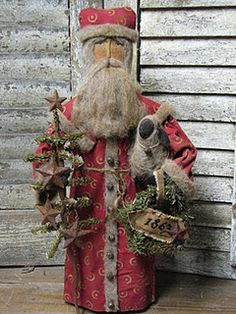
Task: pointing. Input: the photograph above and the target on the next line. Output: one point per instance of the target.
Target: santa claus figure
(127, 137)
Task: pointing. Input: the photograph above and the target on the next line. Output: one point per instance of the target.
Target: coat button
(111, 305)
(111, 161)
(110, 276)
(110, 186)
(111, 238)
(110, 255)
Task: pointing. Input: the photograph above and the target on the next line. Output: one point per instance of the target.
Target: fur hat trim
(163, 112)
(107, 30)
(177, 174)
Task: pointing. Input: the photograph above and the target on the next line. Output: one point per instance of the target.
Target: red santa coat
(110, 277)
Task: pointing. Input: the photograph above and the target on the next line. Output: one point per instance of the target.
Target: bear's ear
(163, 137)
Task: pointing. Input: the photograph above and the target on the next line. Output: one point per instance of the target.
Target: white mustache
(104, 63)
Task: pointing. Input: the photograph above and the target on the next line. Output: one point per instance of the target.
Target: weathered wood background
(187, 57)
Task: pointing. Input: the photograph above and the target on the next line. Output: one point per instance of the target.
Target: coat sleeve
(182, 154)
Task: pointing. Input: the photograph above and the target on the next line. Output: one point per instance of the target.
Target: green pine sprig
(176, 205)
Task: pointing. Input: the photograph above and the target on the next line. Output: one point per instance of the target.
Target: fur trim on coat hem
(108, 30)
(179, 177)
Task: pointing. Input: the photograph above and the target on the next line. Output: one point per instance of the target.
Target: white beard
(107, 103)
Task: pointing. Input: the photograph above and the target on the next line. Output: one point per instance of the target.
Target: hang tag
(159, 226)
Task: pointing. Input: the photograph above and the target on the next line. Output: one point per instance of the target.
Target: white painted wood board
(188, 23)
(19, 245)
(215, 215)
(21, 39)
(218, 108)
(194, 80)
(197, 52)
(215, 135)
(41, 13)
(35, 67)
(186, 4)
(202, 262)
(31, 94)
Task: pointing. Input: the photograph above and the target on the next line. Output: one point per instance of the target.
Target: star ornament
(74, 234)
(49, 214)
(55, 101)
(53, 175)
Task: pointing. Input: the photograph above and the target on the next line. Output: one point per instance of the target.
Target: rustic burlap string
(112, 170)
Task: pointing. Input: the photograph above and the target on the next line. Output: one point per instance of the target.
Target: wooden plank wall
(34, 60)
(187, 58)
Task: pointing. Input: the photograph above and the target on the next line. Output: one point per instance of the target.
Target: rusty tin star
(49, 213)
(55, 101)
(74, 234)
(52, 174)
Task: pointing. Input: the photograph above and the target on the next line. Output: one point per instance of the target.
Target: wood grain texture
(120, 3)
(23, 94)
(202, 262)
(189, 80)
(19, 245)
(188, 23)
(210, 239)
(201, 107)
(214, 163)
(23, 120)
(200, 52)
(16, 196)
(41, 291)
(233, 218)
(15, 171)
(22, 39)
(16, 146)
(35, 67)
(34, 12)
(186, 4)
(210, 135)
(213, 189)
(216, 215)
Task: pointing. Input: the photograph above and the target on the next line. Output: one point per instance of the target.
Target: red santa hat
(117, 22)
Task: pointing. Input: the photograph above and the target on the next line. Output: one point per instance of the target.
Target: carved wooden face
(111, 47)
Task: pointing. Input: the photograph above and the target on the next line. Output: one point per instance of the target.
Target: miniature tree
(60, 215)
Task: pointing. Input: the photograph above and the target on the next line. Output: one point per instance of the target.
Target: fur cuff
(179, 177)
(163, 112)
(110, 30)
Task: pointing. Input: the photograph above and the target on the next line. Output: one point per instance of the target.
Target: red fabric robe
(134, 275)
